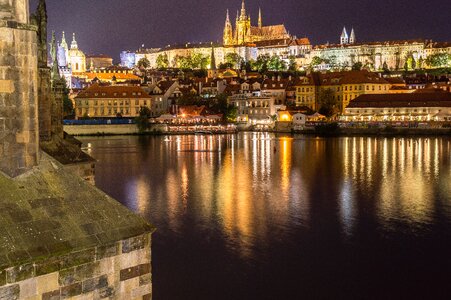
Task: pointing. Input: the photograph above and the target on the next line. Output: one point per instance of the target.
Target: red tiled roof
(100, 92)
(402, 100)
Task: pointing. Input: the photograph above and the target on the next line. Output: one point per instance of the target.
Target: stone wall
(19, 141)
(119, 271)
(45, 104)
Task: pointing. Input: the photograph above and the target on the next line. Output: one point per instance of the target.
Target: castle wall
(121, 270)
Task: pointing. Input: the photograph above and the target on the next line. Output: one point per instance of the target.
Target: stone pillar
(58, 87)
(19, 134)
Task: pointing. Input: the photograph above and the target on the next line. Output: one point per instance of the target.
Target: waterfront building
(345, 87)
(275, 87)
(111, 101)
(419, 106)
(253, 110)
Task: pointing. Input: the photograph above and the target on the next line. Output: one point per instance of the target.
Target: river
(260, 216)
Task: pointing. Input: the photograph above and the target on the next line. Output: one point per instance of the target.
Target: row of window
(111, 102)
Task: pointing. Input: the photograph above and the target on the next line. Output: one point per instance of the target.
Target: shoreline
(341, 132)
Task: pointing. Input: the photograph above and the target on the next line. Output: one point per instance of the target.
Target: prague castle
(245, 33)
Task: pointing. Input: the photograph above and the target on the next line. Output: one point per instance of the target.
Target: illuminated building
(376, 56)
(245, 33)
(99, 61)
(345, 86)
(77, 59)
(418, 106)
(254, 110)
(111, 101)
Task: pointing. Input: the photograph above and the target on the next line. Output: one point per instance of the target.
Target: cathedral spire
(352, 39)
(260, 20)
(227, 17)
(64, 42)
(344, 38)
(55, 75)
(74, 44)
(228, 31)
(243, 11)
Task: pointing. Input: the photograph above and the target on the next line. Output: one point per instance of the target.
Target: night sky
(110, 26)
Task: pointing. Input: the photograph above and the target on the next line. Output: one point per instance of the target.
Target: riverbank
(378, 132)
(131, 129)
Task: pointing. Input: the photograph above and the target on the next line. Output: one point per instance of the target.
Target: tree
(292, 65)
(261, 64)
(232, 114)
(162, 61)
(357, 66)
(439, 60)
(316, 61)
(142, 121)
(385, 67)
(277, 64)
(225, 65)
(143, 63)
(327, 103)
(68, 106)
(184, 62)
(234, 59)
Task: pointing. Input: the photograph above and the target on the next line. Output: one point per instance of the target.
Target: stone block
(145, 279)
(7, 86)
(28, 288)
(141, 291)
(53, 295)
(147, 297)
(79, 274)
(107, 251)
(11, 292)
(20, 273)
(107, 292)
(48, 266)
(47, 283)
(126, 287)
(129, 273)
(78, 258)
(71, 290)
(134, 244)
(95, 284)
(136, 271)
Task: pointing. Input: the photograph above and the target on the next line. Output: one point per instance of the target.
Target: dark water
(255, 216)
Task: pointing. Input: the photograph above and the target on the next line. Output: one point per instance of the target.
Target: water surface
(259, 216)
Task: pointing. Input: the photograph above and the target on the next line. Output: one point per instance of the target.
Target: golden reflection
(285, 164)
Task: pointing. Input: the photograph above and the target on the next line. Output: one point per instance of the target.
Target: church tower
(352, 39)
(228, 31)
(344, 39)
(260, 20)
(243, 26)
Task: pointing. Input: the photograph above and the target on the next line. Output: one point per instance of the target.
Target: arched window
(76, 66)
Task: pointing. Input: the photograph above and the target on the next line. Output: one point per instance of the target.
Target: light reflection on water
(251, 197)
